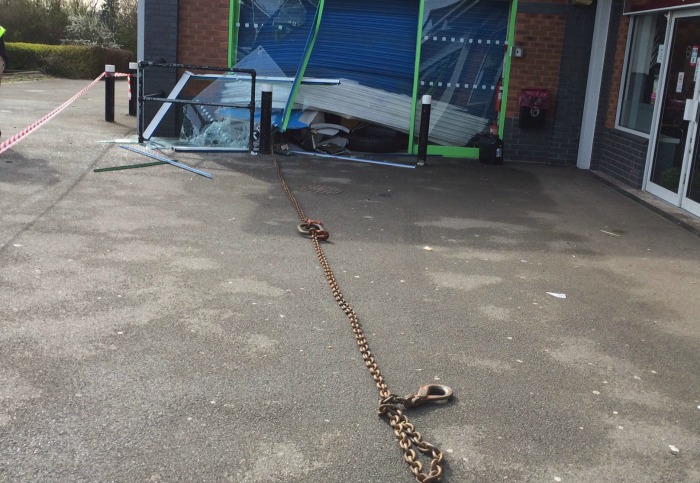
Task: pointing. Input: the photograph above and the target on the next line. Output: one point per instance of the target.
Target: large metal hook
(430, 393)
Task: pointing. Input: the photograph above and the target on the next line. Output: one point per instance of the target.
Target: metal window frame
(167, 102)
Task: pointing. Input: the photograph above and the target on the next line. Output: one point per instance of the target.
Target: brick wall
(204, 26)
(616, 73)
(623, 156)
(556, 40)
(541, 36)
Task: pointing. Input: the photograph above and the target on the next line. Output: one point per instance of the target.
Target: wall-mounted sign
(638, 6)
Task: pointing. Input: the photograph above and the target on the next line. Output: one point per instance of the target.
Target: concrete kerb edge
(636, 196)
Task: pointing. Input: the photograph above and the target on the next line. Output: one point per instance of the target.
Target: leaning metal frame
(153, 98)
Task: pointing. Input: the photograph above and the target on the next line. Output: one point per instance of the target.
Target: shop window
(642, 72)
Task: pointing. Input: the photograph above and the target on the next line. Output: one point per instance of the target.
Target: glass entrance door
(690, 184)
(676, 150)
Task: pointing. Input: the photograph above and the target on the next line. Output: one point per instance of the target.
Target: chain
(390, 405)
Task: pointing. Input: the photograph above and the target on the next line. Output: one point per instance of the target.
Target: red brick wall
(203, 35)
(541, 37)
(616, 77)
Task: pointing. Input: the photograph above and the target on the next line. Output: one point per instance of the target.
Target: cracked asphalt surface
(159, 326)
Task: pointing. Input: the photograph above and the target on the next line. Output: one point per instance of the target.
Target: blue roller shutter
(371, 42)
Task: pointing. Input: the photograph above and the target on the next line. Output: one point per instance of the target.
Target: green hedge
(67, 61)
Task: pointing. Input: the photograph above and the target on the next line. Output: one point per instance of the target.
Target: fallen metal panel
(169, 161)
(357, 160)
(206, 149)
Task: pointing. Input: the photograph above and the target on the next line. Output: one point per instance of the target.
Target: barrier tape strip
(8, 143)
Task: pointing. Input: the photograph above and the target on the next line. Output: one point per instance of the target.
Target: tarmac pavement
(156, 325)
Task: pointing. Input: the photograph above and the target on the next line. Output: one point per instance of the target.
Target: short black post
(133, 67)
(109, 93)
(423, 133)
(266, 120)
(139, 98)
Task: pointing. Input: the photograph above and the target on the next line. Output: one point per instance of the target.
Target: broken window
(462, 54)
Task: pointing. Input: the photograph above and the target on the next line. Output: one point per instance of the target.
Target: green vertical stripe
(506, 70)
(234, 15)
(302, 68)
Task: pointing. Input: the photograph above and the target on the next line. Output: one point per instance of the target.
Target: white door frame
(690, 205)
(674, 198)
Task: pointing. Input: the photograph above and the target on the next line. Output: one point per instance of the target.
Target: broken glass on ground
(223, 131)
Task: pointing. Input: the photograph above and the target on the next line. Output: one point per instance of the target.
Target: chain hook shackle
(312, 227)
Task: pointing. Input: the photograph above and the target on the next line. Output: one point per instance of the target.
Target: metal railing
(143, 98)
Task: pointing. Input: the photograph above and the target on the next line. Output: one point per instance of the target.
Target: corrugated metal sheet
(351, 99)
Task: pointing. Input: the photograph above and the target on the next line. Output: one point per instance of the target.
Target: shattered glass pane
(199, 129)
(209, 124)
(218, 126)
(290, 16)
(461, 63)
(268, 7)
(281, 17)
(261, 62)
(281, 27)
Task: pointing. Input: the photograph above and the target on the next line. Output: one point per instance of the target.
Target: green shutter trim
(302, 68)
(416, 77)
(450, 151)
(506, 70)
(233, 18)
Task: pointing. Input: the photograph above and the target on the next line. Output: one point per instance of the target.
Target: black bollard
(139, 99)
(109, 93)
(133, 66)
(423, 133)
(266, 120)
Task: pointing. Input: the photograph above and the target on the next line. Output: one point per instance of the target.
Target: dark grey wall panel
(160, 45)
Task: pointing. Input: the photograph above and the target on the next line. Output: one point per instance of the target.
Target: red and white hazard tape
(8, 143)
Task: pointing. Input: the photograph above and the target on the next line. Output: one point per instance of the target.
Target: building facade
(647, 117)
(607, 85)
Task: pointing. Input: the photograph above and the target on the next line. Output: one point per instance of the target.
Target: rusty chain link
(390, 405)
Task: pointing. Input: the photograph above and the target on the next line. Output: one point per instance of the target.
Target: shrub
(67, 61)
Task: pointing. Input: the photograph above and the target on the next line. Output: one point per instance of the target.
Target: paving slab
(156, 325)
